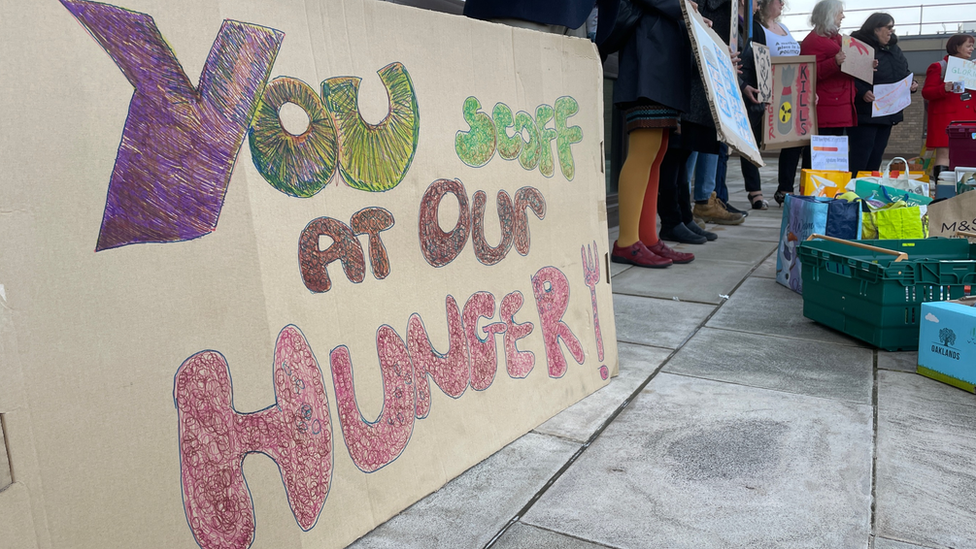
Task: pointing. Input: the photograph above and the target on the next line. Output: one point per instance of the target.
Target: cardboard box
(823, 182)
(947, 343)
(393, 292)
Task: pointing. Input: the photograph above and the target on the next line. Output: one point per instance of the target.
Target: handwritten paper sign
(241, 328)
(764, 72)
(892, 98)
(722, 86)
(829, 152)
(791, 115)
(961, 70)
(859, 62)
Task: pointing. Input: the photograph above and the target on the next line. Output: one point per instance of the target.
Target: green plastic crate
(868, 295)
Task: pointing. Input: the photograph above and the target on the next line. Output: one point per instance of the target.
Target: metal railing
(903, 18)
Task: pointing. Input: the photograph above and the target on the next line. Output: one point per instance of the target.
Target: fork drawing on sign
(591, 275)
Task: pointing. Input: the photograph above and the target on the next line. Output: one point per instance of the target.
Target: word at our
(296, 431)
(530, 141)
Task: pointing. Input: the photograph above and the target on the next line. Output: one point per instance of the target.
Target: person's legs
(788, 159)
(673, 204)
(639, 181)
(860, 146)
(750, 172)
(721, 170)
(705, 170)
(882, 135)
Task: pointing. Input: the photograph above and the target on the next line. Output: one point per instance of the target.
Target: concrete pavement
(734, 422)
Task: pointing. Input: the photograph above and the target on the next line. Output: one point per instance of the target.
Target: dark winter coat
(655, 63)
(892, 67)
(568, 13)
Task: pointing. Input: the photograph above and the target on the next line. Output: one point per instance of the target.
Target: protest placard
(961, 70)
(791, 115)
(829, 152)
(273, 271)
(859, 61)
(764, 72)
(892, 98)
(722, 86)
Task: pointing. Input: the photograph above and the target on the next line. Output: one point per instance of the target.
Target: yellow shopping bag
(823, 182)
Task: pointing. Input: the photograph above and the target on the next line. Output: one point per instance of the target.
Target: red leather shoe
(662, 250)
(638, 254)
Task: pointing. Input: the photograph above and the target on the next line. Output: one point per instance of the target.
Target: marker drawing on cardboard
(722, 86)
(764, 72)
(791, 115)
(859, 60)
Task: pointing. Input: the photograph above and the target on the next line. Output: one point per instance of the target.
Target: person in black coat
(867, 140)
(570, 14)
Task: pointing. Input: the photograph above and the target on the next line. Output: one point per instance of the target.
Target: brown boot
(715, 212)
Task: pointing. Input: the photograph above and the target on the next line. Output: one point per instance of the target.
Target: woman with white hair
(835, 89)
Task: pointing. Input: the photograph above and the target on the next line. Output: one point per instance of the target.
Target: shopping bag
(915, 175)
(823, 182)
(875, 192)
(807, 215)
(894, 221)
(901, 180)
(955, 214)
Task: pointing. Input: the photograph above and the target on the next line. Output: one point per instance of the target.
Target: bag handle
(966, 234)
(887, 171)
(901, 255)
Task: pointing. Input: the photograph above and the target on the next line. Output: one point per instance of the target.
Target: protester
(945, 106)
(835, 89)
(749, 84)
(780, 43)
(869, 138)
(652, 89)
(553, 16)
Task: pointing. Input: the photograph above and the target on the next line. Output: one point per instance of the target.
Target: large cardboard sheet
(791, 116)
(342, 250)
(722, 86)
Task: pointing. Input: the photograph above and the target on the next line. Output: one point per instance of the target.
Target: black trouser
(867, 145)
(674, 196)
(750, 172)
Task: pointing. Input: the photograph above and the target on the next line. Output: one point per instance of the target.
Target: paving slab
(926, 482)
(764, 231)
(701, 281)
(472, 508)
(731, 249)
(903, 361)
(767, 269)
(761, 305)
(790, 365)
(523, 536)
(694, 463)
(581, 420)
(655, 321)
(617, 268)
(885, 543)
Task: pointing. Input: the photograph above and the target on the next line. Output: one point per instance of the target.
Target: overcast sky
(938, 16)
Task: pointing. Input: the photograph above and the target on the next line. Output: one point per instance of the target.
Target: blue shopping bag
(807, 215)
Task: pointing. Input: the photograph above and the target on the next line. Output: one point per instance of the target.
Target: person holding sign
(835, 89)
(946, 106)
(868, 139)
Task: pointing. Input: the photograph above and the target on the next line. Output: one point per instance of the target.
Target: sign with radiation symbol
(785, 112)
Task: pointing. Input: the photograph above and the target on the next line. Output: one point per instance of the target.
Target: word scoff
(175, 192)
(530, 141)
(296, 431)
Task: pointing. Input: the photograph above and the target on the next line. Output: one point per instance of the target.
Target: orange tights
(637, 189)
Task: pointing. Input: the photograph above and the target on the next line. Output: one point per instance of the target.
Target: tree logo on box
(947, 337)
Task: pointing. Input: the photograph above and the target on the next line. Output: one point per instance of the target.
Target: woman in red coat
(835, 89)
(945, 106)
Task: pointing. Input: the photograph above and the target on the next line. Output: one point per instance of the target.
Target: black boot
(693, 227)
(681, 233)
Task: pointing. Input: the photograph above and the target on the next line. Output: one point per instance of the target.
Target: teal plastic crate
(869, 295)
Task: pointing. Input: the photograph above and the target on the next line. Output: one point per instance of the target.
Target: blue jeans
(705, 171)
(721, 189)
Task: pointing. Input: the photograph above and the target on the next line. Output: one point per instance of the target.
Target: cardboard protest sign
(791, 116)
(722, 86)
(892, 98)
(961, 70)
(734, 27)
(764, 72)
(272, 272)
(829, 152)
(859, 61)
